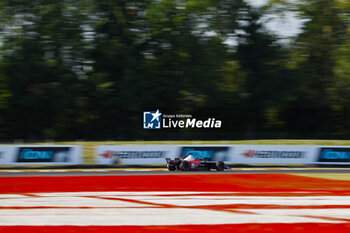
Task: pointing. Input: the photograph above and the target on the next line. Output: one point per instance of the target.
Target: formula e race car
(190, 163)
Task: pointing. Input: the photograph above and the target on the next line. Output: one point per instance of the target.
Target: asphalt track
(103, 172)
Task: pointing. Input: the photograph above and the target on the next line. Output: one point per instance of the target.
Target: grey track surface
(127, 173)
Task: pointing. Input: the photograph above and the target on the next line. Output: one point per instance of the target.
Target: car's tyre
(171, 166)
(185, 165)
(220, 166)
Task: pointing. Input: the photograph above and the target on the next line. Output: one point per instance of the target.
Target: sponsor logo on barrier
(157, 120)
(134, 154)
(268, 154)
(152, 120)
(207, 152)
(334, 155)
(107, 154)
(43, 154)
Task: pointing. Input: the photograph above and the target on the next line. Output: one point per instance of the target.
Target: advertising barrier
(333, 155)
(45, 154)
(7, 154)
(156, 154)
(213, 152)
(134, 154)
(235, 154)
(273, 154)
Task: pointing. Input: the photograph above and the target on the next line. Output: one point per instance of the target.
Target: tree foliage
(88, 69)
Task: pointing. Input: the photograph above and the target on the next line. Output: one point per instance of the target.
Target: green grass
(330, 176)
(88, 147)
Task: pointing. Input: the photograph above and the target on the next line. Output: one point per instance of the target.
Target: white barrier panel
(242, 154)
(134, 154)
(43, 154)
(273, 154)
(7, 154)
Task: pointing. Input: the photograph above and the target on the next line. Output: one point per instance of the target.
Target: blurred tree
(266, 85)
(43, 57)
(323, 32)
(187, 55)
(116, 55)
(158, 55)
(87, 69)
(340, 89)
(4, 96)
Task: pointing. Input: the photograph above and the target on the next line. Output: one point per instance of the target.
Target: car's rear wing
(176, 160)
(168, 160)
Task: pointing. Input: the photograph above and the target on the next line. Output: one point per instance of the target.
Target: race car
(191, 163)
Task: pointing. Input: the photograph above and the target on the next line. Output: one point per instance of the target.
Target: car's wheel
(185, 165)
(171, 166)
(220, 166)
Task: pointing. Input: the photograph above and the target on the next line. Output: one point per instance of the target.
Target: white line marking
(144, 216)
(131, 208)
